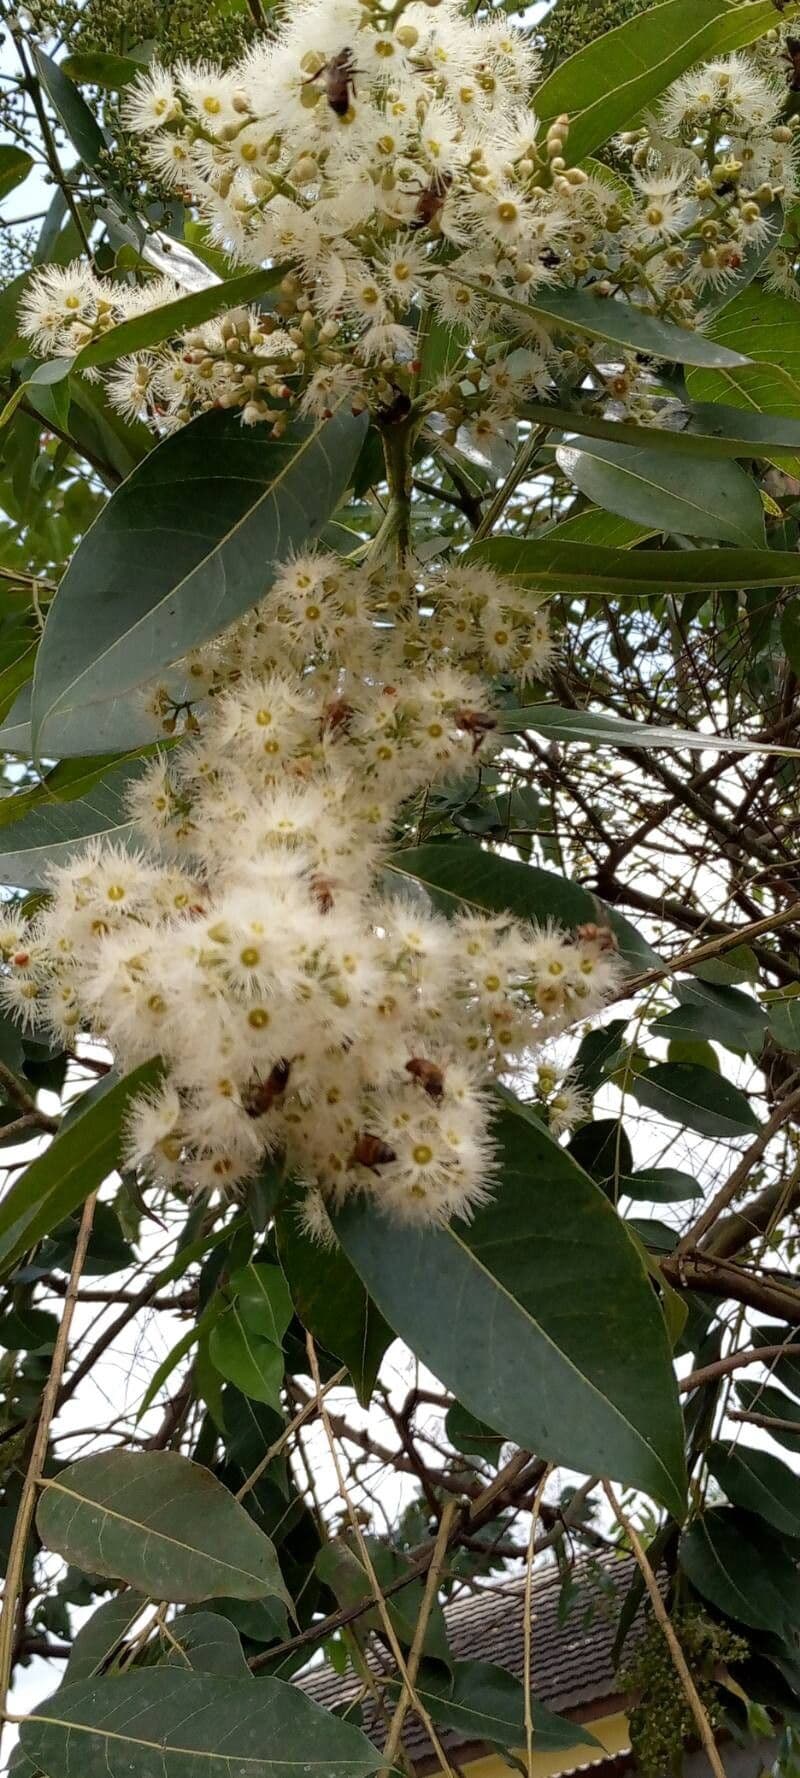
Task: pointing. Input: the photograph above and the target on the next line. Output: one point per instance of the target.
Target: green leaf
(254, 1365)
(708, 431)
(660, 1185)
(206, 517)
(776, 1407)
(209, 1643)
(144, 331)
(486, 1703)
(332, 1303)
(472, 1436)
(28, 1330)
(54, 830)
(96, 67)
(184, 1724)
(462, 875)
(342, 1570)
(723, 1015)
(696, 1098)
(71, 109)
(554, 567)
(650, 487)
(784, 1021)
(790, 632)
(99, 1637)
(81, 1155)
(619, 731)
(161, 1523)
(615, 320)
(758, 1482)
(762, 399)
(505, 1311)
(594, 526)
(607, 84)
(763, 326)
(263, 1300)
(784, 1370)
(43, 377)
(742, 1568)
(15, 166)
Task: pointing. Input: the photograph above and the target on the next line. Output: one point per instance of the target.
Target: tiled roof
(572, 1667)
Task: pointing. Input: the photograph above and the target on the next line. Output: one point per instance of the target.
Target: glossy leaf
(161, 1523)
(81, 1155)
(773, 1406)
(101, 1634)
(723, 1015)
(554, 567)
(765, 396)
(72, 110)
(619, 731)
(505, 1311)
(743, 1569)
(208, 1643)
(28, 1330)
(608, 83)
(255, 1365)
(696, 1098)
(332, 1303)
(144, 331)
(263, 1300)
(704, 430)
(716, 499)
(53, 831)
(620, 323)
(463, 875)
(762, 326)
(784, 1022)
(595, 526)
(101, 68)
(192, 1723)
(758, 1482)
(207, 517)
(15, 166)
(486, 1703)
(660, 1185)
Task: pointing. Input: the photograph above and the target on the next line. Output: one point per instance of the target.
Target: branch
(738, 1177)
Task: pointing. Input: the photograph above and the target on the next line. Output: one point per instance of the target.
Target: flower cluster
(390, 160)
(302, 1000)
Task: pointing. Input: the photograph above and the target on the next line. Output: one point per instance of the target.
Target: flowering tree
(401, 455)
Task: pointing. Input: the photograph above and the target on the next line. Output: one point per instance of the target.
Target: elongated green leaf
(660, 1185)
(255, 1365)
(163, 1524)
(790, 634)
(143, 331)
(723, 1015)
(784, 1022)
(619, 731)
(465, 876)
(766, 398)
(101, 1634)
(67, 780)
(71, 109)
(758, 1482)
(786, 1369)
(621, 323)
(51, 833)
(79, 1158)
(695, 1097)
(505, 1312)
(774, 1406)
(15, 166)
(740, 1566)
(486, 1703)
(594, 526)
(604, 86)
(206, 518)
(208, 1643)
(42, 378)
(551, 566)
(761, 325)
(263, 1299)
(101, 68)
(184, 1724)
(651, 487)
(707, 431)
(332, 1303)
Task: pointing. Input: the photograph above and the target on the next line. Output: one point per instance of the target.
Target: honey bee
(339, 76)
(429, 1075)
(430, 201)
(601, 936)
(370, 1151)
(337, 715)
(322, 891)
(792, 57)
(262, 1095)
(475, 723)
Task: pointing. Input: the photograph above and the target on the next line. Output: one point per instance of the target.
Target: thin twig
(306, 1413)
(661, 1615)
(415, 1652)
(527, 1620)
(738, 1178)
